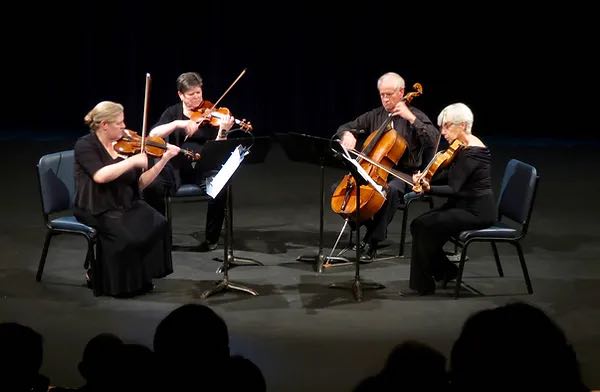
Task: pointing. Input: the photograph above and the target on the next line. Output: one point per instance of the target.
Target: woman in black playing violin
(179, 124)
(132, 244)
(470, 203)
(410, 123)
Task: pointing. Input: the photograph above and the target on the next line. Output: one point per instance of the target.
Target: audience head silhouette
(246, 375)
(513, 347)
(411, 366)
(98, 365)
(21, 353)
(192, 343)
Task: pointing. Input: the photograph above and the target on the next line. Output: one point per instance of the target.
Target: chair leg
(461, 267)
(96, 269)
(403, 233)
(524, 267)
(40, 270)
(497, 258)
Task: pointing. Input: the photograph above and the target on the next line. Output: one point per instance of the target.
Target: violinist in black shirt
(470, 203)
(182, 125)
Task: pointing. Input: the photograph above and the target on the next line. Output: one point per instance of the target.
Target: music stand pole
(234, 261)
(357, 286)
(228, 257)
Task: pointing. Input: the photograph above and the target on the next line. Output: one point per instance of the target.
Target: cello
(384, 147)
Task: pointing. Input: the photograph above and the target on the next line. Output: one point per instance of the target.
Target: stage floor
(301, 333)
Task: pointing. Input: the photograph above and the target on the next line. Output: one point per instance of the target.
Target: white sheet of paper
(362, 172)
(215, 184)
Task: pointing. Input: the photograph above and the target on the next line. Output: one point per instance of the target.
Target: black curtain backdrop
(308, 69)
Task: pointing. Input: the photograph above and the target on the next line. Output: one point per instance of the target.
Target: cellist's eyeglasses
(385, 94)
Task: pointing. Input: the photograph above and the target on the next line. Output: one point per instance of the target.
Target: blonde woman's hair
(104, 111)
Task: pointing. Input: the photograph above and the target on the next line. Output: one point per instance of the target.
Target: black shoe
(362, 246)
(369, 253)
(206, 246)
(416, 293)
(147, 287)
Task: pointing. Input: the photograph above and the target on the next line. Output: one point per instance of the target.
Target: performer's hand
(191, 127)
(171, 151)
(348, 140)
(403, 111)
(226, 123)
(416, 177)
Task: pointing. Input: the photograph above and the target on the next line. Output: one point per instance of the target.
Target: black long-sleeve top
(468, 182)
(420, 136)
(95, 198)
(175, 112)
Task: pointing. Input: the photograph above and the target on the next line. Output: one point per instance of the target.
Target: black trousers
(377, 226)
(170, 179)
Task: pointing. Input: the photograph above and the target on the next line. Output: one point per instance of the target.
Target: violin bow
(145, 115)
(229, 88)
(225, 93)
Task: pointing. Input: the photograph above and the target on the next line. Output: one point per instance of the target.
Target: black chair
(57, 190)
(517, 195)
(409, 198)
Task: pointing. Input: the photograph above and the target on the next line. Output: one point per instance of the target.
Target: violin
(441, 160)
(208, 112)
(131, 143)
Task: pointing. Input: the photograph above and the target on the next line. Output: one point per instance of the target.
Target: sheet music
(362, 172)
(216, 183)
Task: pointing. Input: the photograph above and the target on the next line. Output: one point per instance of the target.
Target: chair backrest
(57, 181)
(517, 194)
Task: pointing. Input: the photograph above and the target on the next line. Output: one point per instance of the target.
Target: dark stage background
(523, 73)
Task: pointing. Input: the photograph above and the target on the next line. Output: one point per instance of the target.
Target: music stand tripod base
(357, 286)
(235, 261)
(225, 285)
(321, 261)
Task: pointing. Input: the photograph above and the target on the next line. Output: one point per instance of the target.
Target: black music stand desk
(317, 151)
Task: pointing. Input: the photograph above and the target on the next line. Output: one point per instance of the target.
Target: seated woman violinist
(470, 203)
(132, 243)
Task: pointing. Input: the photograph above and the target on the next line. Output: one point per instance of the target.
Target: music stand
(357, 285)
(218, 151)
(317, 151)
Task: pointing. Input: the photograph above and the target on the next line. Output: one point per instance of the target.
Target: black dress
(181, 170)
(132, 245)
(470, 205)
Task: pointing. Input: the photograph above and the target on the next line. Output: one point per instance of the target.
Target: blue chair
(57, 192)
(515, 202)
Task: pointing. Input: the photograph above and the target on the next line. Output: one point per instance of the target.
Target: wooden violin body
(441, 160)
(387, 151)
(131, 144)
(208, 112)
